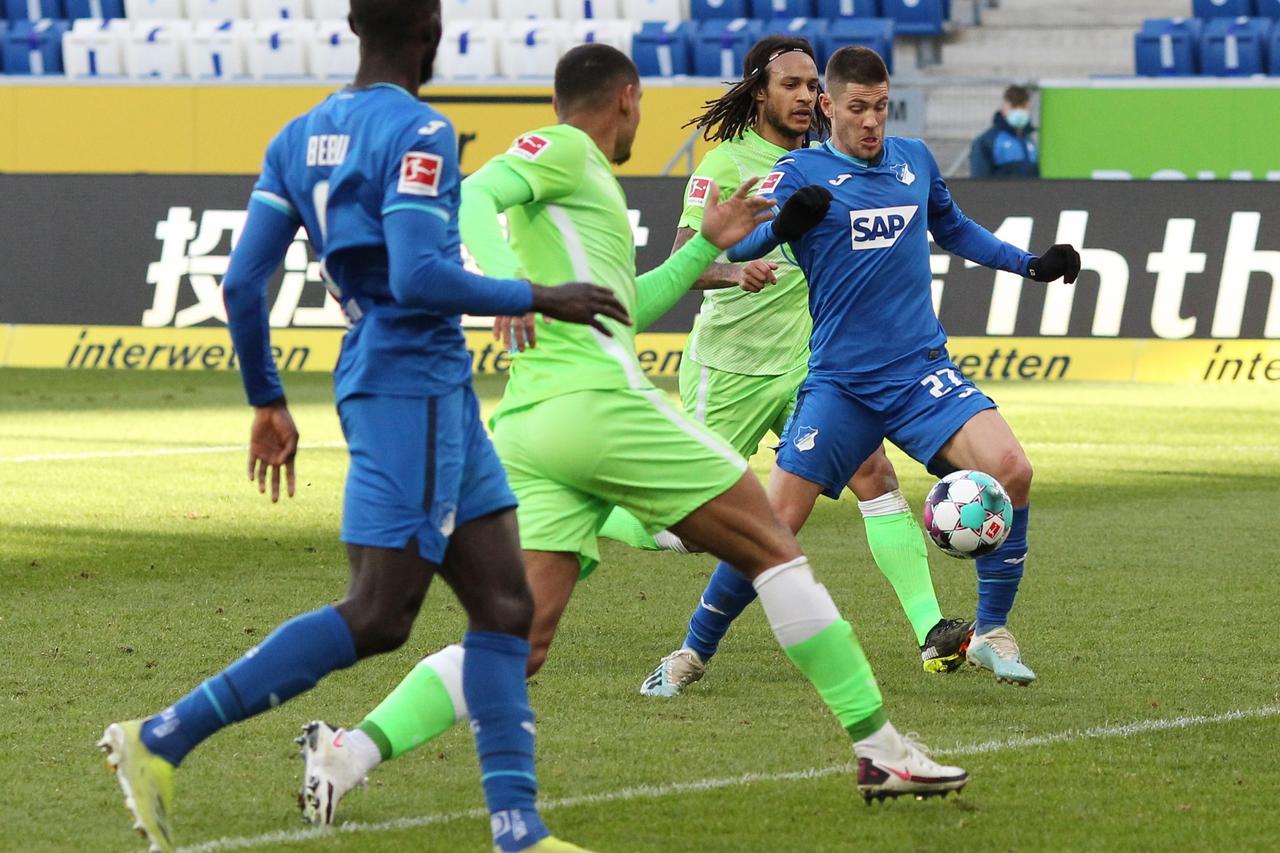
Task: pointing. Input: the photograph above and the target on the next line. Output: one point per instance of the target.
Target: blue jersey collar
(857, 161)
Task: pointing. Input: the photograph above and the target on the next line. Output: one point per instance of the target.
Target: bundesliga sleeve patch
(770, 183)
(699, 189)
(420, 174)
(530, 147)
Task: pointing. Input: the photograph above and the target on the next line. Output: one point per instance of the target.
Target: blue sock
(727, 594)
(494, 687)
(289, 661)
(999, 574)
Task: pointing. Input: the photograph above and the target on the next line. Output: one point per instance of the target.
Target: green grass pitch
(1149, 612)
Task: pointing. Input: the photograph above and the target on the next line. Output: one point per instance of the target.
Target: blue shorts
(420, 468)
(839, 421)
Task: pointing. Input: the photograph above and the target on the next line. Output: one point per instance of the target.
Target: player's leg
(986, 443)
(898, 547)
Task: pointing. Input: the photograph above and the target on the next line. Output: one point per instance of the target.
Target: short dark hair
(386, 22)
(729, 116)
(1017, 95)
(589, 74)
(855, 64)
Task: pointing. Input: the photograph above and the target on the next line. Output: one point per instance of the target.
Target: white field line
(156, 451)
(650, 792)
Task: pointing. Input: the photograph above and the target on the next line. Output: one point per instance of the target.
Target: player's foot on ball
(674, 673)
(551, 844)
(147, 782)
(945, 645)
(997, 651)
(329, 771)
(891, 764)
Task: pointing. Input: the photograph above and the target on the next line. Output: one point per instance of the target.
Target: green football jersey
(758, 334)
(575, 229)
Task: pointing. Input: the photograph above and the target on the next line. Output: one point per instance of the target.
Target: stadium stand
(215, 10)
(721, 44)
(218, 50)
(1226, 38)
(34, 47)
(1234, 47)
(98, 9)
(1168, 47)
(1204, 9)
(33, 10)
(663, 48)
(875, 33)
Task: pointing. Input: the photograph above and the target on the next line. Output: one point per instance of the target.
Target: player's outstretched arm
(802, 210)
(752, 276)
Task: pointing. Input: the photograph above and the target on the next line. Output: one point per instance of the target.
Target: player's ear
(824, 104)
(351, 22)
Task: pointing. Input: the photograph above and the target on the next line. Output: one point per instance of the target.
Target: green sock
(426, 704)
(622, 526)
(838, 668)
(897, 544)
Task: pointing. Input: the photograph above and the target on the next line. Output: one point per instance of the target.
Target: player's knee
(1015, 475)
(510, 611)
(376, 628)
(874, 478)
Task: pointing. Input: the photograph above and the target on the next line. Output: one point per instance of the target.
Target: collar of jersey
(857, 161)
(392, 86)
(591, 145)
(755, 140)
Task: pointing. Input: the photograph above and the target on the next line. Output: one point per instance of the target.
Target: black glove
(1061, 261)
(803, 210)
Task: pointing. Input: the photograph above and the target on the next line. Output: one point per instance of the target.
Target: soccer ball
(968, 514)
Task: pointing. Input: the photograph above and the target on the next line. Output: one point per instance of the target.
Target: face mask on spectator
(1018, 118)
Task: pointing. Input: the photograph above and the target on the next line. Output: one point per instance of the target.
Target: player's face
(787, 102)
(628, 122)
(858, 114)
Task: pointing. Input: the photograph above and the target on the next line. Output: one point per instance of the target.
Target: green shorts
(738, 407)
(573, 458)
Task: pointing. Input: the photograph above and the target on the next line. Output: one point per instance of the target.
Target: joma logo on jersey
(880, 228)
(529, 146)
(420, 174)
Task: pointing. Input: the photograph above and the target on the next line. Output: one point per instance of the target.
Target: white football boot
(329, 771)
(675, 672)
(891, 764)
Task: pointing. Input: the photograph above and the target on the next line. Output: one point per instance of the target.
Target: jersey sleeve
(715, 170)
(270, 188)
(959, 234)
(549, 161)
(423, 173)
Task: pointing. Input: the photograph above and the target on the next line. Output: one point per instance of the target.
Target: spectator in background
(1007, 149)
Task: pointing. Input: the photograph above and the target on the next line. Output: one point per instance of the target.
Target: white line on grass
(155, 451)
(650, 792)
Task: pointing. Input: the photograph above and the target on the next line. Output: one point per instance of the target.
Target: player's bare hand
(757, 275)
(726, 222)
(273, 443)
(517, 334)
(578, 302)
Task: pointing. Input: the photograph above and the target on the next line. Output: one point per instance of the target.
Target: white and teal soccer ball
(968, 514)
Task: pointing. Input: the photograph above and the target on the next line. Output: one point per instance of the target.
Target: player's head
(779, 89)
(599, 84)
(398, 29)
(857, 100)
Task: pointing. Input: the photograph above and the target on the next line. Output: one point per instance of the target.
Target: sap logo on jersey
(881, 227)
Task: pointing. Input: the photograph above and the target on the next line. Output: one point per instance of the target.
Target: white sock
(364, 752)
(668, 541)
(890, 503)
(797, 606)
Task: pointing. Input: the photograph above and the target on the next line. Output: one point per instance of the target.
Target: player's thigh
(737, 407)
(740, 527)
(986, 443)
(828, 436)
(484, 566)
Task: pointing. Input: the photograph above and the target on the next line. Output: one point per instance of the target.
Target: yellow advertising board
(224, 129)
(1197, 361)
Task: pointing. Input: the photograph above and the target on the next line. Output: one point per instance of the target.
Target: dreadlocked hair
(730, 115)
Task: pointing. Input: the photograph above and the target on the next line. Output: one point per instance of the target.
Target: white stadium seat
(216, 10)
(615, 33)
(466, 10)
(654, 10)
(95, 48)
(146, 10)
(516, 10)
(155, 49)
(335, 51)
(469, 50)
(217, 50)
(330, 10)
(576, 10)
(277, 10)
(278, 49)
(531, 48)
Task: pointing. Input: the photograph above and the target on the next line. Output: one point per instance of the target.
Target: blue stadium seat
(1273, 52)
(1206, 9)
(875, 33)
(34, 47)
(4, 37)
(1234, 47)
(1268, 9)
(33, 10)
(721, 45)
(813, 29)
(916, 17)
(1167, 47)
(766, 9)
(95, 9)
(664, 48)
(848, 9)
(709, 10)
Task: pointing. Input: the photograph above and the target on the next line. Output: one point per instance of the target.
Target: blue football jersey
(867, 261)
(338, 169)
